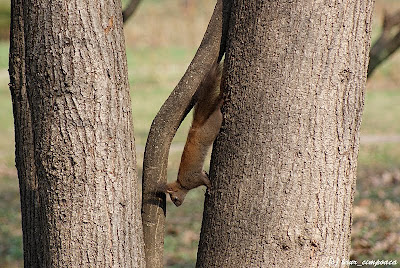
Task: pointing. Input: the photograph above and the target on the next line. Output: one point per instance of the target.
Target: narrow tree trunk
(75, 153)
(24, 151)
(163, 129)
(284, 165)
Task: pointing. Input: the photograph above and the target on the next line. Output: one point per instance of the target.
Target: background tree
(284, 165)
(388, 41)
(74, 136)
(130, 9)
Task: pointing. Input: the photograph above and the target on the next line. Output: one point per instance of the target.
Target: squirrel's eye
(175, 199)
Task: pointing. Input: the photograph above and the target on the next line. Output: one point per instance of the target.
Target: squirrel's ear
(169, 188)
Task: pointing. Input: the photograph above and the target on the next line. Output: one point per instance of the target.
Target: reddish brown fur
(206, 123)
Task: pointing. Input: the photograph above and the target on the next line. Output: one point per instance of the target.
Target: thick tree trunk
(75, 153)
(284, 165)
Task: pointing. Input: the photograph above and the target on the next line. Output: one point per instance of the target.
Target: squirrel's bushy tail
(209, 95)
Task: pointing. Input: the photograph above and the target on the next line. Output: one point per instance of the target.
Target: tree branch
(162, 131)
(130, 9)
(387, 43)
(24, 151)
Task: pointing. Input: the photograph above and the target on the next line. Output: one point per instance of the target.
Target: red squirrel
(207, 120)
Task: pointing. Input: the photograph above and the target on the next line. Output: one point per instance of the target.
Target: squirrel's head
(176, 193)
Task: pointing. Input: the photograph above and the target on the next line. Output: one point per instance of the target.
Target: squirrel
(207, 120)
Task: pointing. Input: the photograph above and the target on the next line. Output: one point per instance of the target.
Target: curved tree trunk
(163, 129)
(75, 151)
(284, 164)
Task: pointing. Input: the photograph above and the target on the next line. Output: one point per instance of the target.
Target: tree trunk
(284, 164)
(75, 150)
(24, 151)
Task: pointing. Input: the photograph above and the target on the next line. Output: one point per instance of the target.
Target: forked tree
(75, 153)
(284, 164)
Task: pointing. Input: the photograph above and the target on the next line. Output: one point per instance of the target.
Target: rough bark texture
(162, 131)
(284, 164)
(24, 151)
(75, 151)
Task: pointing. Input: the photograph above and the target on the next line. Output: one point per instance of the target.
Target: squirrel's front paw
(207, 182)
(208, 191)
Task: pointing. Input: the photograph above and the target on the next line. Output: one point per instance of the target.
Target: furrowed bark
(24, 151)
(75, 151)
(284, 163)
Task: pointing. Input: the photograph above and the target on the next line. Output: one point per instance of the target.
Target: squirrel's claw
(207, 182)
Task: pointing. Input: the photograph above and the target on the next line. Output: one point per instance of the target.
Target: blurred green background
(161, 39)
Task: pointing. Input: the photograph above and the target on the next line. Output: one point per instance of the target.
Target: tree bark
(284, 164)
(75, 151)
(24, 151)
